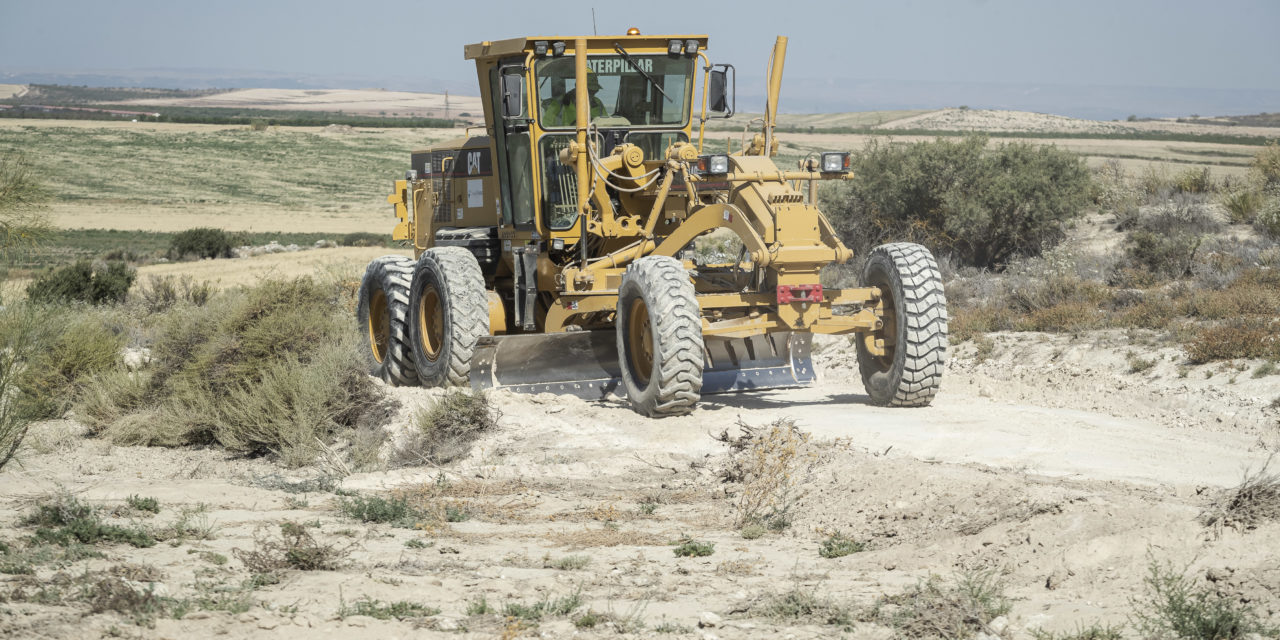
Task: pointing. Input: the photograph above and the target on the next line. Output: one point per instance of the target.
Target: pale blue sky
(1224, 44)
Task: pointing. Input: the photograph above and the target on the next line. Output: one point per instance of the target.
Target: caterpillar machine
(554, 252)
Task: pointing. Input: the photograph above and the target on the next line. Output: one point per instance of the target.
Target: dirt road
(1046, 461)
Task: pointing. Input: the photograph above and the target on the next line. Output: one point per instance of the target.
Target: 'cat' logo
(473, 163)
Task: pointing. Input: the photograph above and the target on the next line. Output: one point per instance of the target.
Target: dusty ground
(1048, 462)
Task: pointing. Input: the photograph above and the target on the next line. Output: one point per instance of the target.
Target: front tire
(382, 311)
(659, 337)
(915, 327)
(448, 312)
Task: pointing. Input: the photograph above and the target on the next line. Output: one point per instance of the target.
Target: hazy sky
(1224, 44)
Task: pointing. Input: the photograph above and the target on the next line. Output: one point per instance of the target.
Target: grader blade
(585, 363)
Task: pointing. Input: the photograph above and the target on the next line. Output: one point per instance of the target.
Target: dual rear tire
(422, 320)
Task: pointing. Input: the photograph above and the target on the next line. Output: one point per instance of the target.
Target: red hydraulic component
(799, 293)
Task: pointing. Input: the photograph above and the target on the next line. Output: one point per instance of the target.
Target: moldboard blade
(585, 363)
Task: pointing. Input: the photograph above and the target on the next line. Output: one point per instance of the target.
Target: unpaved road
(1046, 461)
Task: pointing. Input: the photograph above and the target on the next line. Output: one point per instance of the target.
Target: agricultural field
(208, 457)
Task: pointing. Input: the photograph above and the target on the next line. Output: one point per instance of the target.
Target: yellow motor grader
(554, 252)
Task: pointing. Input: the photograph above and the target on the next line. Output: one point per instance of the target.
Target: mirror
(721, 90)
(511, 84)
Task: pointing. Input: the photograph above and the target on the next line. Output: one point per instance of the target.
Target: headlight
(714, 164)
(835, 162)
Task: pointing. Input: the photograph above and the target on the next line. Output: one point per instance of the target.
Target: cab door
(515, 157)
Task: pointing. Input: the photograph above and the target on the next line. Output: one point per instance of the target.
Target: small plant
(752, 531)
(455, 513)
(394, 510)
(956, 609)
(837, 545)
(192, 523)
(213, 558)
(589, 620)
(444, 431)
(689, 548)
(139, 503)
(295, 549)
(400, 609)
(571, 563)
(1092, 632)
(1265, 369)
(1176, 606)
(416, 543)
(548, 606)
(63, 520)
(480, 606)
(807, 605)
(1139, 364)
(648, 508)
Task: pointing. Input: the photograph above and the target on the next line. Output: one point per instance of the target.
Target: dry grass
(295, 548)
(606, 536)
(1254, 501)
(769, 463)
(936, 609)
(444, 431)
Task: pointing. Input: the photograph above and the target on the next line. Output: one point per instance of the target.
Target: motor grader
(554, 251)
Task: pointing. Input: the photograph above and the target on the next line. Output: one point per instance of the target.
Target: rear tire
(382, 311)
(448, 312)
(910, 372)
(659, 331)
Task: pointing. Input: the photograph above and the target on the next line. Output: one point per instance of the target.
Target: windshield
(621, 96)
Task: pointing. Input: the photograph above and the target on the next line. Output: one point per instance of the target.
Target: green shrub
(83, 282)
(270, 369)
(139, 503)
(838, 545)
(1249, 337)
(395, 510)
(1267, 221)
(694, 549)
(22, 223)
(1194, 181)
(1176, 606)
(202, 242)
(444, 431)
(983, 206)
(1165, 241)
(1242, 205)
(71, 350)
(22, 337)
(1266, 163)
(162, 292)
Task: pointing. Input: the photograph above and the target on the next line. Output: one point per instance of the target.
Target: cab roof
(603, 44)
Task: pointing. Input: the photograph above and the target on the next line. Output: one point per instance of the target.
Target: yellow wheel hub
(431, 322)
(640, 338)
(379, 325)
